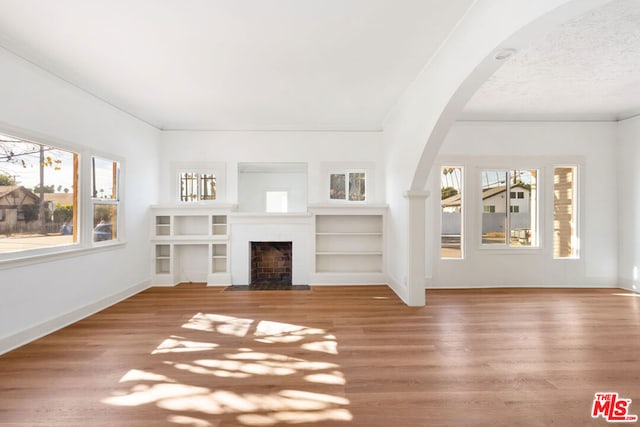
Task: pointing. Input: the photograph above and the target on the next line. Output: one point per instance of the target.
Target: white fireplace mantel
(296, 228)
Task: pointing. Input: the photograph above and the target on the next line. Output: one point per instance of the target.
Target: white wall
(319, 150)
(476, 145)
(417, 125)
(37, 298)
(628, 149)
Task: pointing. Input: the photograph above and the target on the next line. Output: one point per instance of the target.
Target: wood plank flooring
(331, 356)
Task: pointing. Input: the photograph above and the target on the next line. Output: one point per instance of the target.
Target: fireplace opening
(271, 263)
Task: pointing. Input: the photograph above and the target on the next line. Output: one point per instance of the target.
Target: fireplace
(271, 263)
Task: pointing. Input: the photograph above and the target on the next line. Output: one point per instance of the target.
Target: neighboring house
(12, 199)
(62, 199)
(493, 199)
(493, 202)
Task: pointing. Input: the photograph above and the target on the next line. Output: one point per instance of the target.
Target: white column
(416, 273)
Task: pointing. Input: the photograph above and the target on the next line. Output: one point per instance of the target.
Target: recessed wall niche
(255, 180)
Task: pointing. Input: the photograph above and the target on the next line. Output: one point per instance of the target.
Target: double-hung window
(105, 198)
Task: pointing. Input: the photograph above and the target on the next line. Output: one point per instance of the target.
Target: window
(105, 177)
(349, 186)
(196, 186)
(517, 225)
(565, 212)
(451, 212)
(37, 195)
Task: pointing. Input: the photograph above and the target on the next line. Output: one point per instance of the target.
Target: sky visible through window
(20, 160)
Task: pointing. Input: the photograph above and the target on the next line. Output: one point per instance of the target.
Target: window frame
(577, 203)
(463, 208)
(114, 202)
(346, 173)
(198, 172)
(506, 248)
(84, 242)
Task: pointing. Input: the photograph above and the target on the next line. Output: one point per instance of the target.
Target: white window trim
(579, 166)
(91, 202)
(472, 223)
(346, 173)
(506, 248)
(85, 242)
(215, 168)
(463, 214)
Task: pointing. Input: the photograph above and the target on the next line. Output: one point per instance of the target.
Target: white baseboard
(38, 331)
(347, 279)
(525, 286)
(629, 285)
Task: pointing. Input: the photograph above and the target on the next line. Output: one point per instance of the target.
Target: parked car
(102, 232)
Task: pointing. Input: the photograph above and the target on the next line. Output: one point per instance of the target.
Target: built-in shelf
(350, 243)
(191, 244)
(163, 225)
(219, 258)
(190, 225)
(163, 259)
(219, 225)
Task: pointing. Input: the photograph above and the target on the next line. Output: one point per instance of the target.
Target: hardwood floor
(331, 356)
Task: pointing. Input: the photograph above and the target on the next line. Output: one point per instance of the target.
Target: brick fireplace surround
(271, 262)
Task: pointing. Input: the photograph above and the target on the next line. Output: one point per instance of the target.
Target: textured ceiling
(235, 64)
(587, 69)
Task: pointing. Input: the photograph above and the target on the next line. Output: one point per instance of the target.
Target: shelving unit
(219, 225)
(163, 259)
(163, 225)
(190, 225)
(219, 258)
(190, 244)
(351, 243)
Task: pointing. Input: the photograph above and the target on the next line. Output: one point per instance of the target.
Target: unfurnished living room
(319, 212)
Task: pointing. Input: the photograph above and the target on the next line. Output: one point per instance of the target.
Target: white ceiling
(235, 64)
(588, 69)
(312, 64)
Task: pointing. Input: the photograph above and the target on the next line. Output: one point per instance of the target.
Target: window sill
(23, 259)
(504, 250)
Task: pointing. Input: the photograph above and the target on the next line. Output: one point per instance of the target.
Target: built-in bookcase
(190, 244)
(349, 244)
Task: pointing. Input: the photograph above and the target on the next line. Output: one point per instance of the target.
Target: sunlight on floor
(188, 421)
(180, 385)
(222, 324)
(177, 344)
